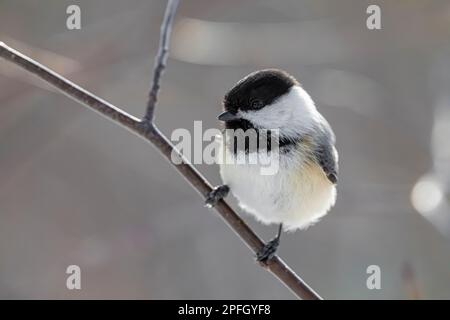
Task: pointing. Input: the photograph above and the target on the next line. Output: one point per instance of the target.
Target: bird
(303, 188)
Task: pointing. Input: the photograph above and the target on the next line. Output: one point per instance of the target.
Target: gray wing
(325, 152)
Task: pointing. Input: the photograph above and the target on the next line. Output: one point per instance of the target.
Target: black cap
(258, 89)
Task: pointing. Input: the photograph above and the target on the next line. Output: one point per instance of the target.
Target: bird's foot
(268, 251)
(216, 195)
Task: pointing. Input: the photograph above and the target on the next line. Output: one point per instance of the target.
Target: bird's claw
(268, 251)
(216, 195)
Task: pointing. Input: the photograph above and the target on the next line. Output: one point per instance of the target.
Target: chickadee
(304, 187)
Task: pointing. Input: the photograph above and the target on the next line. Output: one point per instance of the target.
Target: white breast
(297, 195)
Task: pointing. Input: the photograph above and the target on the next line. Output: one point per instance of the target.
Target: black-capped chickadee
(302, 190)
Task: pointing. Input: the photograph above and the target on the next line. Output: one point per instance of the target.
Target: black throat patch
(252, 139)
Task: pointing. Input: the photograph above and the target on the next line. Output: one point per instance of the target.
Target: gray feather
(325, 153)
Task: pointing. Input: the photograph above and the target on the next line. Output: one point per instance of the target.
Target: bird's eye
(256, 104)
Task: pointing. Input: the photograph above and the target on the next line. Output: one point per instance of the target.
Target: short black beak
(227, 116)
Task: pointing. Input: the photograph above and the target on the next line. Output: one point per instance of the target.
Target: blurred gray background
(77, 189)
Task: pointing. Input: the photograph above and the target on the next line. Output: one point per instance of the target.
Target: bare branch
(161, 58)
(147, 130)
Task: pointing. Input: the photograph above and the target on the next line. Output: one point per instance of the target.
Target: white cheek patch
(270, 117)
(294, 113)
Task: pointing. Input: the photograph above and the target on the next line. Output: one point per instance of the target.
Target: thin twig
(161, 58)
(147, 130)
